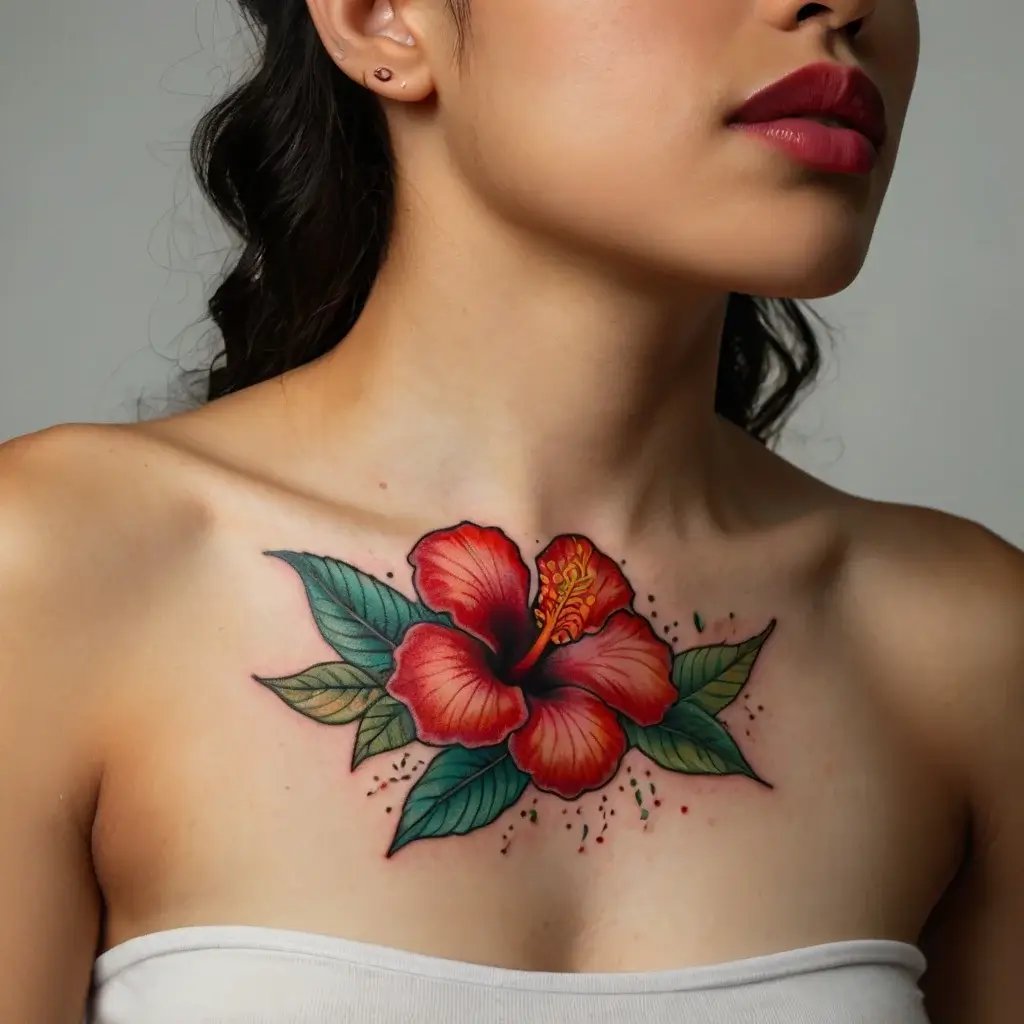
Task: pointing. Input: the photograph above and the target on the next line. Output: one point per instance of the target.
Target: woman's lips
(827, 116)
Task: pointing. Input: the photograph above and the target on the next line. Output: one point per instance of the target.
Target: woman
(488, 666)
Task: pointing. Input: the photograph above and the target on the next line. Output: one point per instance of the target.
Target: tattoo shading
(551, 692)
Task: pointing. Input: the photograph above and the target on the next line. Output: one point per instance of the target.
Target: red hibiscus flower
(549, 680)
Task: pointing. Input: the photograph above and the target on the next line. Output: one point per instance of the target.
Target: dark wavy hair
(297, 159)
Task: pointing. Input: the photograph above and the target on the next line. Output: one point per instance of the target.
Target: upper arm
(975, 940)
(49, 906)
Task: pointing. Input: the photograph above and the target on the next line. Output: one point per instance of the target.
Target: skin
(142, 771)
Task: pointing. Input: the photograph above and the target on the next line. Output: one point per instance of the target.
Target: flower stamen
(563, 603)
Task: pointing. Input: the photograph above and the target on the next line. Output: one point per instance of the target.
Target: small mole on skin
(391, 575)
(650, 597)
(383, 486)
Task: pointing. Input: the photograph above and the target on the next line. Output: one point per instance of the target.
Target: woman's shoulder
(934, 603)
(83, 494)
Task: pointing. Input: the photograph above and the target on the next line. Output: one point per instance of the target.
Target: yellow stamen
(563, 604)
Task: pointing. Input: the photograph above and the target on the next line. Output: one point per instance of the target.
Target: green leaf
(461, 790)
(690, 740)
(362, 618)
(713, 677)
(386, 726)
(333, 693)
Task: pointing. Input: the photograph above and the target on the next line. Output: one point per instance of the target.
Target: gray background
(106, 249)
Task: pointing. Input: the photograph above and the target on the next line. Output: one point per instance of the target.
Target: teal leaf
(461, 790)
(333, 693)
(361, 617)
(386, 726)
(713, 677)
(691, 741)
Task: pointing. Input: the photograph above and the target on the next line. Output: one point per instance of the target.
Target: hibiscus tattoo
(550, 692)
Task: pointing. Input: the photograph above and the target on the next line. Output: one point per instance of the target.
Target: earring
(383, 74)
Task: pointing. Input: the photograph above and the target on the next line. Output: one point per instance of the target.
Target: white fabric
(233, 975)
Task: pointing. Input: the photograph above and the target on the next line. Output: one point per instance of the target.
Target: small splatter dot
(685, 810)
(581, 849)
(698, 622)
(760, 707)
(732, 615)
(533, 817)
(657, 803)
(387, 810)
(675, 623)
(568, 827)
(600, 839)
(675, 639)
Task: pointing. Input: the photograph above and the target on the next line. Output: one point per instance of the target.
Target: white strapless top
(233, 975)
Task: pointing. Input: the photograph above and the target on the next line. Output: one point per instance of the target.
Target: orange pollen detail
(563, 604)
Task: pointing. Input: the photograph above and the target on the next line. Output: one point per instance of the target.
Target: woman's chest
(769, 801)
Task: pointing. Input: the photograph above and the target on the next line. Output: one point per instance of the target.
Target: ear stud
(383, 74)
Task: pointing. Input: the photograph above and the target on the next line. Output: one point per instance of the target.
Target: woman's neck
(489, 377)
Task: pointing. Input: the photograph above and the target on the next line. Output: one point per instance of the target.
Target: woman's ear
(374, 44)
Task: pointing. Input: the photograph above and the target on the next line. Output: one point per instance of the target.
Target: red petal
(476, 575)
(610, 590)
(625, 665)
(443, 677)
(571, 744)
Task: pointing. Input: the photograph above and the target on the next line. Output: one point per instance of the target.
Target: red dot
(685, 810)
(383, 785)
(580, 850)
(600, 839)
(657, 803)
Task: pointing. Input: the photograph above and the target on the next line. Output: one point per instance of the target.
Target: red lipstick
(829, 117)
